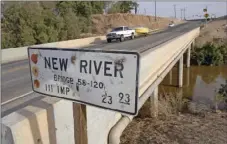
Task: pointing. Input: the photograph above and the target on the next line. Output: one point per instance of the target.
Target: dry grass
(174, 127)
(182, 129)
(169, 104)
(213, 32)
(172, 103)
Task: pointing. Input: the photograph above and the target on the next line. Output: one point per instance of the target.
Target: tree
(28, 23)
(71, 26)
(83, 11)
(123, 7)
(62, 7)
(126, 6)
(107, 5)
(16, 26)
(54, 24)
(115, 8)
(97, 7)
(83, 8)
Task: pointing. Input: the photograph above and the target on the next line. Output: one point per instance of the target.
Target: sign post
(206, 15)
(80, 123)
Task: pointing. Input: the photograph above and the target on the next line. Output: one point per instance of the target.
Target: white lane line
(15, 79)
(13, 99)
(15, 69)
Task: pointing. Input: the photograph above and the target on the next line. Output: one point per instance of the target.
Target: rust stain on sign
(73, 59)
(119, 63)
(77, 87)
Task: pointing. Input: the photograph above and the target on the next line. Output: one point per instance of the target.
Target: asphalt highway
(145, 43)
(16, 82)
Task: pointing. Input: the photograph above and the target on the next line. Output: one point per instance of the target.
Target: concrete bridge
(32, 118)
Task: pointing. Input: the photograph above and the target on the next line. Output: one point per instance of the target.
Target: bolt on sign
(106, 79)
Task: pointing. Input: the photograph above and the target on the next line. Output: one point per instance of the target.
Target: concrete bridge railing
(14, 54)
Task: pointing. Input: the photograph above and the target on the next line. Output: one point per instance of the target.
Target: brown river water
(200, 83)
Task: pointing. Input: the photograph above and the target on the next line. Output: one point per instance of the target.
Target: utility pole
(206, 15)
(155, 10)
(181, 13)
(184, 14)
(145, 12)
(175, 11)
(136, 9)
(226, 13)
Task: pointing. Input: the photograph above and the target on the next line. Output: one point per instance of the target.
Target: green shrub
(210, 54)
(29, 23)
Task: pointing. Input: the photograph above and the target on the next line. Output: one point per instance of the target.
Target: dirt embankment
(215, 31)
(197, 125)
(103, 23)
(184, 129)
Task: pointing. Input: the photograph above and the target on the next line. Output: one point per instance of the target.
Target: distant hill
(104, 22)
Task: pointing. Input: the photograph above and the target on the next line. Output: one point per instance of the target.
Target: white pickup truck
(120, 33)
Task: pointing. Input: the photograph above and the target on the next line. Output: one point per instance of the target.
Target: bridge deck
(145, 43)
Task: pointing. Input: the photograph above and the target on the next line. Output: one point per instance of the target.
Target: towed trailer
(141, 31)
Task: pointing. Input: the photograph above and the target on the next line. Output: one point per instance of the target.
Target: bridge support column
(180, 72)
(188, 56)
(154, 103)
(170, 77)
(192, 44)
(188, 76)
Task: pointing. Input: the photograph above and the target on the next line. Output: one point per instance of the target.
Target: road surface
(16, 81)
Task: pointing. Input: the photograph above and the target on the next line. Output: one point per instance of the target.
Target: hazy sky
(166, 9)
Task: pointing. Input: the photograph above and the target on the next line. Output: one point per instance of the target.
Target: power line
(183, 13)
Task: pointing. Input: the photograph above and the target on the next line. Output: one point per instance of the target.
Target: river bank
(195, 113)
(211, 45)
(210, 128)
(186, 115)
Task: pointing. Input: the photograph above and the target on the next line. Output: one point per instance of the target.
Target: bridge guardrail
(14, 54)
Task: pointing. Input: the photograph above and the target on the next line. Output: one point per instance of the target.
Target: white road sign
(106, 79)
